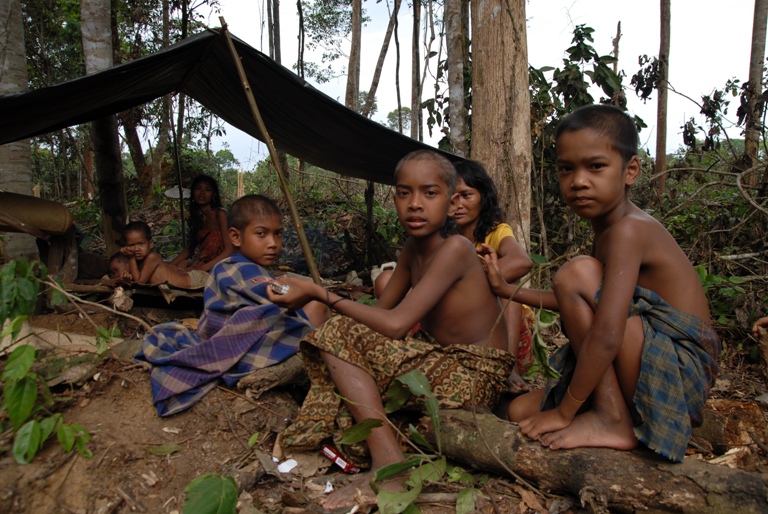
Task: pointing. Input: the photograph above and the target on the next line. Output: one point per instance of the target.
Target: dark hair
(136, 226)
(195, 212)
(117, 256)
(607, 121)
(474, 175)
(447, 171)
(249, 207)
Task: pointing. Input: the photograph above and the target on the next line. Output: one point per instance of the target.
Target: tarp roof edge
(301, 120)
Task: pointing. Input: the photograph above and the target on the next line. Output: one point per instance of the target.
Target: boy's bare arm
(438, 278)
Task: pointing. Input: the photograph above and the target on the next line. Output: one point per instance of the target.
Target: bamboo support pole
(273, 153)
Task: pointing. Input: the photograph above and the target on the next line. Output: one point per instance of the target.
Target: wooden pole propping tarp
(308, 255)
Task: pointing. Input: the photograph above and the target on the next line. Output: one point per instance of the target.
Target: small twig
(231, 426)
(130, 500)
(493, 500)
(101, 459)
(75, 300)
(758, 442)
(58, 464)
(64, 478)
(253, 402)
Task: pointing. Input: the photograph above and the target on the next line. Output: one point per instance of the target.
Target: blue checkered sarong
(678, 368)
(240, 331)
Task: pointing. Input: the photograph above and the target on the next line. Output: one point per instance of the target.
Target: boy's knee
(579, 273)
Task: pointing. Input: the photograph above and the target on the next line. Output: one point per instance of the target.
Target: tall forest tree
(96, 29)
(755, 101)
(456, 21)
(661, 110)
(15, 158)
(501, 133)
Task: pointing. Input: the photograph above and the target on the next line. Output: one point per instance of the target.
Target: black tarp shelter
(301, 120)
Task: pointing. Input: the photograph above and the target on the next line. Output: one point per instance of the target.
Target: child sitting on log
(642, 355)
(438, 282)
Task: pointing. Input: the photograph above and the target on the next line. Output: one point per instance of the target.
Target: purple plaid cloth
(240, 331)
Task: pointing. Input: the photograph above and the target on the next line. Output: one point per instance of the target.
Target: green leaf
(538, 259)
(419, 439)
(433, 409)
(27, 442)
(20, 396)
(397, 395)
(428, 472)
(360, 431)
(395, 502)
(14, 327)
(210, 494)
(163, 449)
(416, 382)
(396, 468)
(66, 436)
(253, 439)
(48, 425)
(19, 362)
(465, 502)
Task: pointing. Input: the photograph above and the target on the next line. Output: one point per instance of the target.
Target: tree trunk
(415, 72)
(15, 158)
(380, 62)
(455, 20)
(95, 19)
(352, 98)
(501, 133)
(755, 89)
(600, 478)
(660, 167)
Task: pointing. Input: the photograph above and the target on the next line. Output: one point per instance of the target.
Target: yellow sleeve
(501, 231)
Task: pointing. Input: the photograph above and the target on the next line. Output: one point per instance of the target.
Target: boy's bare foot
(517, 384)
(593, 430)
(358, 491)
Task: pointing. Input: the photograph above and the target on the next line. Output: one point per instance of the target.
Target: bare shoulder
(662, 266)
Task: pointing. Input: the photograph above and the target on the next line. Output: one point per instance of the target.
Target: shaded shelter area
(301, 120)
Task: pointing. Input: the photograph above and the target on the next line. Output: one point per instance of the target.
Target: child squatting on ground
(147, 267)
(360, 353)
(240, 330)
(642, 355)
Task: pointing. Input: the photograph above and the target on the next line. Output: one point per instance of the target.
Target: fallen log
(601, 478)
(290, 371)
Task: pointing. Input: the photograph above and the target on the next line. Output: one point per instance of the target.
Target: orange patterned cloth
(210, 243)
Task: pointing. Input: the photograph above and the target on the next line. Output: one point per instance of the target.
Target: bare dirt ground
(142, 463)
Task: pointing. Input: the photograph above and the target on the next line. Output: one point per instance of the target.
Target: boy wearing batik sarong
(240, 330)
(642, 354)
(360, 353)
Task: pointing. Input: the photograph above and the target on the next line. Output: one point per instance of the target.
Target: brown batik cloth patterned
(452, 372)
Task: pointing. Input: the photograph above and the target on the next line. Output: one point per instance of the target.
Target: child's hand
(491, 259)
(761, 323)
(298, 294)
(126, 251)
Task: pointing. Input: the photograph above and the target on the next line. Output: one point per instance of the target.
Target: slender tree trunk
(95, 18)
(154, 174)
(755, 89)
(15, 158)
(661, 109)
(353, 70)
(380, 62)
(415, 71)
(455, 14)
(501, 137)
(275, 53)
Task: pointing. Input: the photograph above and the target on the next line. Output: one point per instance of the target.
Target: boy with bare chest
(642, 354)
(438, 282)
